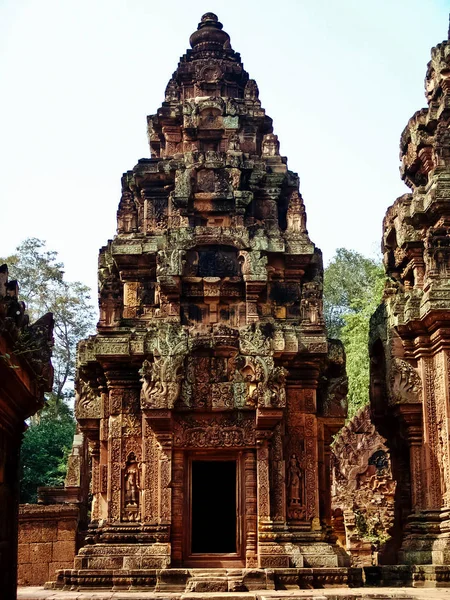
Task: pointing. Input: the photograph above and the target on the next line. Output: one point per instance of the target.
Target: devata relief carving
(211, 364)
(131, 489)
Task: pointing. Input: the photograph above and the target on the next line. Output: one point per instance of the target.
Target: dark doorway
(213, 506)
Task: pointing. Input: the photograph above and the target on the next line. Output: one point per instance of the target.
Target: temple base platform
(206, 580)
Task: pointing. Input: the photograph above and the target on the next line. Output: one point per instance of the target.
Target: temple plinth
(210, 393)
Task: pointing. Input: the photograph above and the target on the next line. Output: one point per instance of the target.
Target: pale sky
(339, 78)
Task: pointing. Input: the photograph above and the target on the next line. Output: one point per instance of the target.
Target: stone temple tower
(210, 393)
(410, 336)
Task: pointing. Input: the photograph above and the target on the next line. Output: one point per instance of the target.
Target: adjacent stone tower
(210, 393)
(410, 335)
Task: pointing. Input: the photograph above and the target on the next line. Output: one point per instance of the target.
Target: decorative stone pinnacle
(209, 34)
(207, 18)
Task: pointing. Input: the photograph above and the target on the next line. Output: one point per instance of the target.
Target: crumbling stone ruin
(410, 337)
(25, 374)
(210, 394)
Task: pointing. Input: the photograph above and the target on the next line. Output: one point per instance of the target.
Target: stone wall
(47, 541)
(26, 374)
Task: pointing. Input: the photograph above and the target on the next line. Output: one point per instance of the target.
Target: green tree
(353, 286)
(45, 448)
(42, 287)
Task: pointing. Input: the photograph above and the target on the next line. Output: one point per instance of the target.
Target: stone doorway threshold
(378, 593)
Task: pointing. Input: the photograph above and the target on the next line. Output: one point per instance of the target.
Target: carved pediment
(87, 402)
(405, 383)
(161, 382)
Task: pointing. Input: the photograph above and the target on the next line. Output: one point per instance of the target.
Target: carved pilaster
(124, 441)
(278, 487)
(311, 471)
(432, 493)
(177, 506)
(150, 475)
(442, 405)
(165, 442)
(251, 559)
(263, 481)
(94, 452)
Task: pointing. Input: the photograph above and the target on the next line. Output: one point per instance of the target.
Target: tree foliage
(43, 288)
(353, 286)
(45, 448)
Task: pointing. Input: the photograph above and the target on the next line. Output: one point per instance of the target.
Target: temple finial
(209, 34)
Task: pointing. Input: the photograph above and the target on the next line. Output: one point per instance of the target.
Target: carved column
(311, 471)
(104, 455)
(150, 475)
(441, 390)
(94, 452)
(251, 558)
(114, 462)
(124, 434)
(165, 442)
(263, 482)
(412, 419)
(177, 506)
(325, 440)
(278, 487)
(432, 494)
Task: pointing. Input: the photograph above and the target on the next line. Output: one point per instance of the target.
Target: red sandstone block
(23, 574)
(55, 566)
(38, 574)
(63, 551)
(49, 532)
(67, 530)
(23, 553)
(40, 552)
(30, 532)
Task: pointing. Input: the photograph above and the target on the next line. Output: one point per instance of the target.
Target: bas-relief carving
(161, 382)
(295, 487)
(131, 491)
(363, 487)
(228, 432)
(87, 402)
(405, 383)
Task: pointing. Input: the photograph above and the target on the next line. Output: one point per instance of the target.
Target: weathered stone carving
(161, 382)
(405, 384)
(295, 482)
(363, 489)
(87, 402)
(296, 214)
(251, 91)
(270, 145)
(131, 490)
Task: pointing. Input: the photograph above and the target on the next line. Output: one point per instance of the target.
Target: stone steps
(40, 593)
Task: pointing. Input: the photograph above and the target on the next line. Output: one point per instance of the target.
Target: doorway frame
(225, 559)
